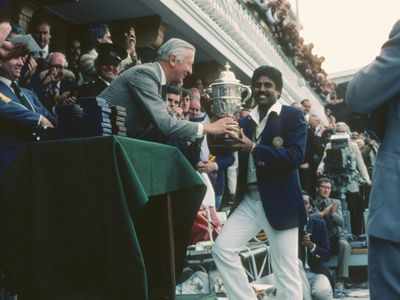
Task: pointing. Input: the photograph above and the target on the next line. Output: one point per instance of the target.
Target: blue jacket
(319, 235)
(376, 87)
(17, 123)
(277, 167)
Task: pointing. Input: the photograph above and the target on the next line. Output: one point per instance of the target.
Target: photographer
(343, 163)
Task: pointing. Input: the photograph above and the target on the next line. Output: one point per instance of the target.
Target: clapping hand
(307, 241)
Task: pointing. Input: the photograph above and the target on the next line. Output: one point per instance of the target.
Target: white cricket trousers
(245, 222)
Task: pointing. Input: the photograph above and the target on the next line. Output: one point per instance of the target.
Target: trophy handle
(249, 93)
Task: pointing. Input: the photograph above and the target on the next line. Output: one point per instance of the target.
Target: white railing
(258, 45)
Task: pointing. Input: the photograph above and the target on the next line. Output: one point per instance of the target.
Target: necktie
(22, 98)
(164, 92)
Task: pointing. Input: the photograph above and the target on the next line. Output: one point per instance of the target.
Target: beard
(265, 99)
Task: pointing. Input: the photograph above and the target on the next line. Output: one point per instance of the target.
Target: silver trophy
(226, 100)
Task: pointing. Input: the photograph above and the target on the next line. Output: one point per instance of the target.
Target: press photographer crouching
(342, 162)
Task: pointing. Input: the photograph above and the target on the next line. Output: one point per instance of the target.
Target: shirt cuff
(200, 131)
(313, 248)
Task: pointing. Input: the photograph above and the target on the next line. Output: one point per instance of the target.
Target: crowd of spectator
(285, 30)
(60, 78)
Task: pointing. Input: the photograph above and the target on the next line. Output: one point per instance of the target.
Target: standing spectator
(330, 210)
(148, 53)
(339, 109)
(97, 34)
(348, 172)
(107, 66)
(376, 88)
(74, 52)
(185, 103)
(173, 101)
(306, 103)
(42, 35)
(129, 44)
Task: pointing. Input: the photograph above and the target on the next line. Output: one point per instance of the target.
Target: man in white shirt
(271, 150)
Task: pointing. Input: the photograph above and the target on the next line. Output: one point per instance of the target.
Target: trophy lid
(226, 76)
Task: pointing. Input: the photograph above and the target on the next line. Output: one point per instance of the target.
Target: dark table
(97, 218)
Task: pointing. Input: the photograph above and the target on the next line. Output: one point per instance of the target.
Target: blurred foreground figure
(376, 90)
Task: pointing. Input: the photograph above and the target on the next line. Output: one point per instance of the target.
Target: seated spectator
(315, 251)
(55, 84)
(21, 113)
(107, 66)
(331, 211)
(97, 34)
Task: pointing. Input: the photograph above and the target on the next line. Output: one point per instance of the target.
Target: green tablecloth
(86, 218)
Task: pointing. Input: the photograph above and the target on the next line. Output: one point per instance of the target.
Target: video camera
(339, 140)
(336, 160)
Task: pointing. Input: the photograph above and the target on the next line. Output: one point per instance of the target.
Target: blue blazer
(277, 167)
(319, 235)
(17, 123)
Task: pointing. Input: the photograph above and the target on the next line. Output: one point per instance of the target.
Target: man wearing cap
(107, 66)
(271, 150)
(139, 89)
(21, 113)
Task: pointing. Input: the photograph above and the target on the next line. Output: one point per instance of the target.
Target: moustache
(267, 95)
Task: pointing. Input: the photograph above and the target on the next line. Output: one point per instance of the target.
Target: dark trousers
(383, 269)
(356, 208)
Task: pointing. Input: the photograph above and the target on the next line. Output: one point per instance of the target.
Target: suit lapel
(272, 128)
(6, 90)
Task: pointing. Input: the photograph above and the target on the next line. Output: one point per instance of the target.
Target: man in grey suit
(139, 89)
(375, 86)
(330, 210)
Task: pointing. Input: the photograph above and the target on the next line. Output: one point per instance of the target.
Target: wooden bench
(358, 258)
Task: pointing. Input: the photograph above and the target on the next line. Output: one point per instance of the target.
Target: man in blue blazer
(272, 148)
(314, 251)
(377, 88)
(21, 113)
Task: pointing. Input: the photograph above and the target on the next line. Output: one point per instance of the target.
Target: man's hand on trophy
(225, 125)
(244, 143)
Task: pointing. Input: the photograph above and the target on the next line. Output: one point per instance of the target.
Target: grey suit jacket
(375, 85)
(334, 221)
(139, 90)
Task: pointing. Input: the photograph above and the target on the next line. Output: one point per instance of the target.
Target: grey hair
(344, 125)
(175, 47)
(52, 54)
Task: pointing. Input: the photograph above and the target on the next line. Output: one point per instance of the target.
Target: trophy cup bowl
(226, 101)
